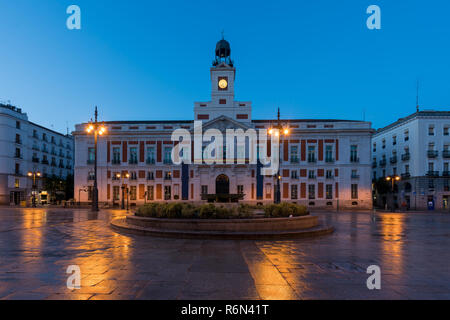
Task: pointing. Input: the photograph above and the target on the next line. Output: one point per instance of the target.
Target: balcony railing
(354, 159)
(115, 161)
(329, 176)
(446, 154)
(329, 160)
(35, 160)
(90, 161)
(167, 161)
(374, 164)
(383, 163)
(18, 141)
(295, 160)
(150, 161)
(45, 161)
(312, 159)
(150, 178)
(132, 161)
(446, 173)
(91, 178)
(18, 156)
(433, 173)
(406, 175)
(393, 159)
(433, 153)
(53, 164)
(62, 166)
(406, 157)
(69, 167)
(355, 176)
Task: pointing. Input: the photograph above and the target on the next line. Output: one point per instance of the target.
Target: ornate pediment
(223, 123)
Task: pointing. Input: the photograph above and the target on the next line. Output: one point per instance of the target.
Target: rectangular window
(150, 191)
(311, 191)
(394, 140)
(91, 155)
(116, 156)
(311, 174)
(329, 191)
(329, 174)
(446, 131)
(167, 192)
(354, 191)
(268, 191)
(240, 189)
(150, 175)
(17, 124)
(294, 154)
(294, 191)
(133, 156)
(17, 183)
(354, 153)
(294, 174)
(204, 189)
(329, 153)
(431, 130)
(168, 155)
(116, 193)
(311, 154)
(406, 135)
(133, 193)
(150, 155)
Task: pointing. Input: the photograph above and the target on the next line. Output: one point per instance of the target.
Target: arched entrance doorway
(222, 184)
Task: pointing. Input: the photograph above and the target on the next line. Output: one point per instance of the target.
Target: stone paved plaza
(37, 246)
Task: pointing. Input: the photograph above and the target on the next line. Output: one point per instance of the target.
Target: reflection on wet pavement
(37, 246)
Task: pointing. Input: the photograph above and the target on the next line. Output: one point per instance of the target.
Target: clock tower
(223, 74)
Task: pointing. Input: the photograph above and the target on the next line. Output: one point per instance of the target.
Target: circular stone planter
(257, 228)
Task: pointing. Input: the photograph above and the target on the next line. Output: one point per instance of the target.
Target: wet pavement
(38, 245)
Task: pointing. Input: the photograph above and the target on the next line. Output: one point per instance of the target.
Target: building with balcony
(24, 147)
(422, 140)
(324, 163)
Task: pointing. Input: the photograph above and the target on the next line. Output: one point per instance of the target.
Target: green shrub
(285, 209)
(181, 210)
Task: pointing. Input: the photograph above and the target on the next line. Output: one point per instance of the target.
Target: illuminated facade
(324, 163)
(24, 147)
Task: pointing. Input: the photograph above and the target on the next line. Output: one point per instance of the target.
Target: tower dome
(223, 49)
(223, 52)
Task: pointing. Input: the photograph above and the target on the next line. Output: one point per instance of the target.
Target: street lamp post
(34, 174)
(279, 130)
(393, 179)
(97, 129)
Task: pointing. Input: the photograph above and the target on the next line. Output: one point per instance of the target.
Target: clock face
(223, 84)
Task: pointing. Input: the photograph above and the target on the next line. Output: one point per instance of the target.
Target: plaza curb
(120, 224)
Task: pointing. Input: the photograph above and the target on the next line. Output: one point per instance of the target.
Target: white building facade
(324, 163)
(416, 148)
(27, 147)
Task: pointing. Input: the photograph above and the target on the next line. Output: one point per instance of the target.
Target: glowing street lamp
(34, 174)
(393, 179)
(96, 129)
(281, 130)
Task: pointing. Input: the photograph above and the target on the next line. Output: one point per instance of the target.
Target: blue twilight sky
(150, 60)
